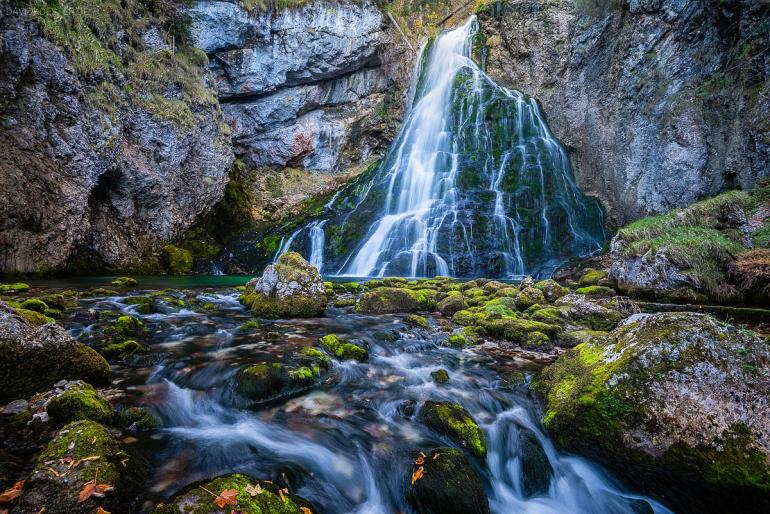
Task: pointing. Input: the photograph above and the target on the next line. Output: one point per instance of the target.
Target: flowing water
(347, 446)
(474, 185)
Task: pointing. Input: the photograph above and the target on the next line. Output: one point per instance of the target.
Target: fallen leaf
(420, 460)
(435, 456)
(422, 455)
(12, 493)
(93, 489)
(305, 510)
(42, 509)
(81, 461)
(54, 472)
(254, 490)
(282, 493)
(123, 462)
(418, 473)
(102, 511)
(226, 497)
(93, 441)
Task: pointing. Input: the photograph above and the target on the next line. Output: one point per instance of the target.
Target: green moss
(261, 382)
(136, 418)
(419, 321)
(80, 402)
(457, 341)
(178, 260)
(34, 317)
(34, 304)
(440, 376)
(537, 340)
(595, 291)
(249, 326)
(128, 326)
(197, 499)
(122, 349)
(592, 277)
(18, 287)
(343, 349)
(528, 297)
(548, 315)
(125, 282)
(384, 300)
(145, 304)
(53, 313)
(453, 420)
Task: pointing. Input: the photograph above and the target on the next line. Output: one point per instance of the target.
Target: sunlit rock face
(299, 86)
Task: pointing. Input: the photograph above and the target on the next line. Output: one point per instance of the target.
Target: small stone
(16, 407)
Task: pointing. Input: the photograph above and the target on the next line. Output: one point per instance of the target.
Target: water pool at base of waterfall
(348, 444)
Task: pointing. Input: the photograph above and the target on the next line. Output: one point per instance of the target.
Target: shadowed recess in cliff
(474, 185)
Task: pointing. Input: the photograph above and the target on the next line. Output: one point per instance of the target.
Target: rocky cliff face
(302, 87)
(660, 102)
(112, 143)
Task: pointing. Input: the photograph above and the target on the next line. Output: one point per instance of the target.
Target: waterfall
(474, 185)
(317, 241)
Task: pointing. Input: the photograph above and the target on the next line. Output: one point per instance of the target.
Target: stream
(347, 445)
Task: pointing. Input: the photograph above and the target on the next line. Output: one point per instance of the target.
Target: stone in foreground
(454, 421)
(444, 482)
(669, 400)
(290, 288)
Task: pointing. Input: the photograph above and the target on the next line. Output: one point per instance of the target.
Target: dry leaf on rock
(226, 497)
(12, 492)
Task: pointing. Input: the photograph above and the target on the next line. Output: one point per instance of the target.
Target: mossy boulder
(135, 419)
(595, 291)
(198, 499)
(593, 277)
(290, 288)
(586, 311)
(144, 304)
(34, 304)
(385, 300)
(80, 401)
(121, 350)
(669, 401)
(127, 326)
(444, 482)
(528, 297)
(453, 303)
(17, 287)
(81, 452)
(518, 330)
(418, 321)
(343, 349)
(551, 289)
(33, 358)
(35, 317)
(452, 420)
(125, 282)
(440, 376)
(179, 261)
(458, 341)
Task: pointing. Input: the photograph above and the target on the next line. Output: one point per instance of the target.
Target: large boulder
(675, 400)
(452, 420)
(82, 452)
(385, 300)
(33, 358)
(80, 401)
(444, 482)
(290, 288)
(249, 495)
(586, 311)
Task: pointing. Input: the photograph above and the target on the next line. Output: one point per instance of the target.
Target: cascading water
(474, 185)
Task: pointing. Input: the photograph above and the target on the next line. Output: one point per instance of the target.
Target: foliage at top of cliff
(130, 46)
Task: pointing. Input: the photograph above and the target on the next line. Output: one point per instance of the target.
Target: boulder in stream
(80, 401)
(454, 421)
(32, 358)
(444, 482)
(671, 400)
(83, 453)
(247, 494)
(290, 288)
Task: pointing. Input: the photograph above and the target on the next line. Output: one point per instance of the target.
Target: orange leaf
(101, 511)
(282, 493)
(305, 510)
(226, 497)
(87, 491)
(418, 473)
(420, 461)
(12, 493)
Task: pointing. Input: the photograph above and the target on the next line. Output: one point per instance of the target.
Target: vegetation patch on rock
(454, 421)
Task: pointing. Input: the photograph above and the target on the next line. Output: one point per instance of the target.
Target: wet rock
(385, 300)
(95, 455)
(135, 419)
(122, 350)
(666, 400)
(33, 358)
(80, 401)
(418, 321)
(440, 376)
(583, 310)
(536, 470)
(453, 303)
(343, 349)
(125, 282)
(551, 289)
(453, 420)
(197, 498)
(444, 482)
(528, 297)
(290, 288)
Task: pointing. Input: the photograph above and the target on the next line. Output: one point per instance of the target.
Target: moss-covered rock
(467, 318)
(418, 321)
(144, 304)
(343, 349)
(121, 350)
(518, 330)
(551, 289)
(595, 291)
(34, 317)
(198, 499)
(666, 400)
(80, 401)
(584, 310)
(125, 282)
(592, 277)
(127, 326)
(443, 481)
(34, 304)
(179, 261)
(136, 419)
(440, 376)
(453, 420)
(385, 300)
(453, 303)
(458, 341)
(33, 358)
(18, 287)
(528, 297)
(290, 288)
(81, 452)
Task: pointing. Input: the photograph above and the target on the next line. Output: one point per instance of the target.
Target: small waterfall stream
(474, 185)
